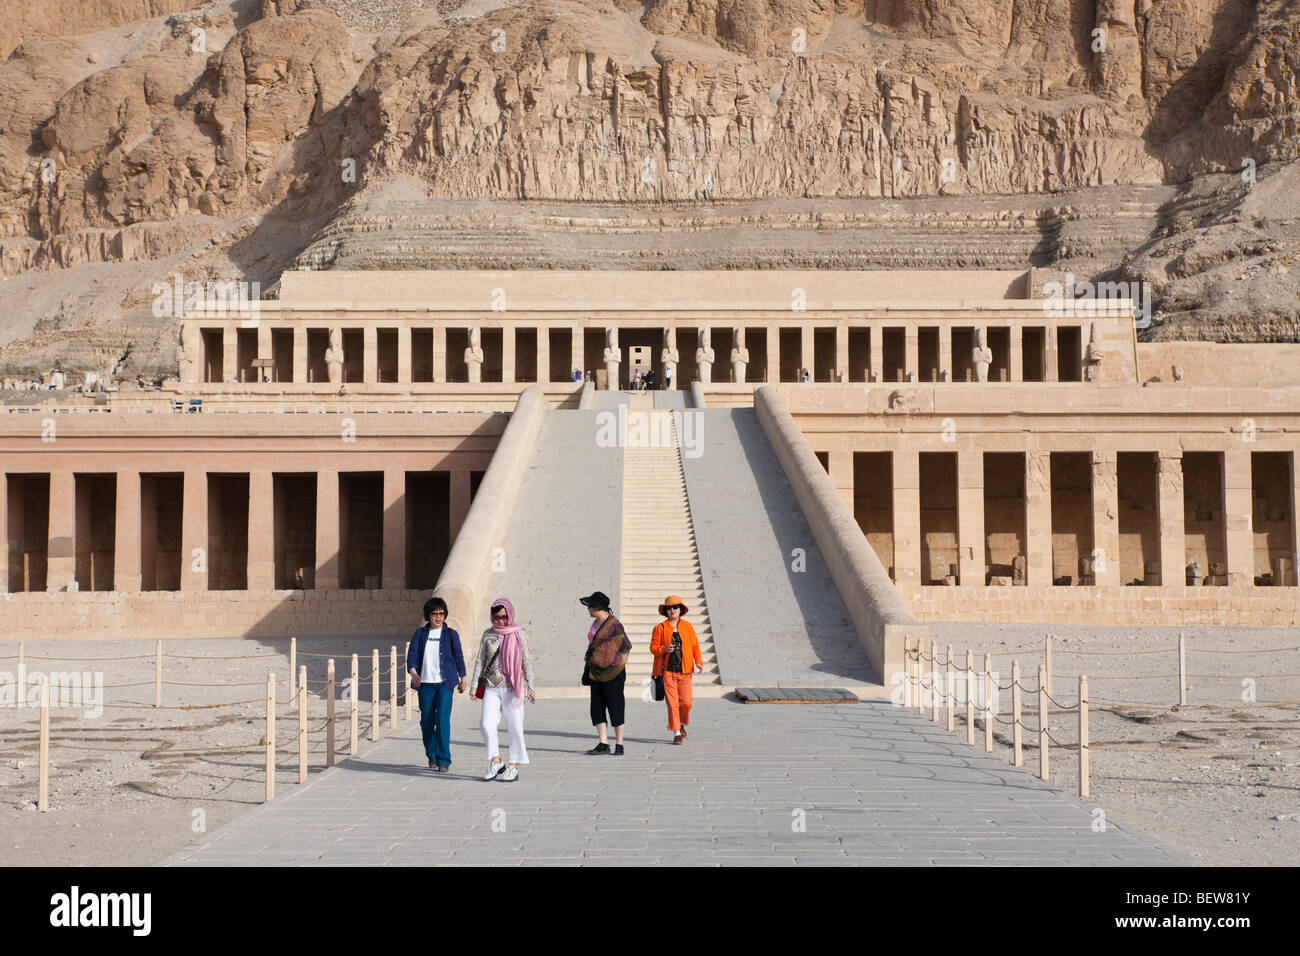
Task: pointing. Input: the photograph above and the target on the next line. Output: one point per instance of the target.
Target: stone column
(577, 348)
(440, 353)
(1038, 519)
(773, 353)
(970, 518)
(61, 567)
(1049, 354)
(394, 577)
(1105, 518)
(404, 354)
(261, 531)
(841, 471)
(194, 532)
(1237, 517)
(327, 530)
(299, 355)
(229, 353)
(126, 533)
(842, 359)
(507, 353)
(543, 354)
(877, 349)
(1173, 543)
(945, 353)
(907, 518)
(911, 354)
(807, 353)
(370, 354)
(458, 504)
(191, 369)
(1016, 360)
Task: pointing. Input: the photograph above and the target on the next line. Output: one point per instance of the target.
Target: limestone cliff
(140, 137)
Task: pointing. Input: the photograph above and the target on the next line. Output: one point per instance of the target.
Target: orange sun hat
(672, 599)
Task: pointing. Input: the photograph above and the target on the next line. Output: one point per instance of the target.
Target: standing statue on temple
(474, 354)
(613, 357)
(704, 355)
(670, 356)
(739, 356)
(1092, 357)
(981, 355)
(334, 356)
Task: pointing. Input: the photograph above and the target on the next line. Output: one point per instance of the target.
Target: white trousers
(497, 700)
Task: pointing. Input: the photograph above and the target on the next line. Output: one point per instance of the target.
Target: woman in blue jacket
(437, 669)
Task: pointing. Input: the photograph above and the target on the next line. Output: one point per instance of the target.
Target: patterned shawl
(512, 652)
(608, 651)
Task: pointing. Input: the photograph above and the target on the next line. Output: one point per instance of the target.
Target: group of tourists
(502, 678)
(645, 381)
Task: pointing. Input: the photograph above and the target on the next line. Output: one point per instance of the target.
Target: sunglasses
(674, 607)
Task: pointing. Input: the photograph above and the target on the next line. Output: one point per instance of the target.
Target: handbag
(658, 680)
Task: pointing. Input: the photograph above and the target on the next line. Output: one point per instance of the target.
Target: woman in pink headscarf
(503, 680)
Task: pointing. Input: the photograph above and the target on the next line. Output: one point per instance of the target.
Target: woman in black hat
(604, 670)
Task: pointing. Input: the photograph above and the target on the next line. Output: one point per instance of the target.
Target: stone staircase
(659, 555)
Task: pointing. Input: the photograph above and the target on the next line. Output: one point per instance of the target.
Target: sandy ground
(1238, 808)
(136, 798)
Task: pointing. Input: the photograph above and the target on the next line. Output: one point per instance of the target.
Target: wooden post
(1017, 740)
(920, 676)
(1042, 723)
(270, 737)
(406, 684)
(20, 699)
(329, 712)
(352, 720)
(302, 725)
(293, 667)
(43, 791)
(1083, 736)
(1182, 670)
(934, 682)
(970, 697)
(157, 676)
(392, 687)
(951, 694)
(988, 704)
(1047, 659)
(374, 694)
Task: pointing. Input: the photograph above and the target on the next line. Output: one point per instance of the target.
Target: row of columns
(1238, 534)
(127, 558)
(738, 360)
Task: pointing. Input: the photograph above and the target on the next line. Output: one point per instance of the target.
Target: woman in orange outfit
(676, 652)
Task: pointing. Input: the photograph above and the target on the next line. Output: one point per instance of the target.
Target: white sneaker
(511, 774)
(494, 767)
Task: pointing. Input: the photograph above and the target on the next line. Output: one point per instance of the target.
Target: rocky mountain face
(143, 138)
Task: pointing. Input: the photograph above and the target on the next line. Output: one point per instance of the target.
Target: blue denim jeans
(435, 720)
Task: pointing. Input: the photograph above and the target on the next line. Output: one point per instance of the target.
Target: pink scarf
(512, 649)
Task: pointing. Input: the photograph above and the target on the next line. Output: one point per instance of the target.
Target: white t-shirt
(432, 672)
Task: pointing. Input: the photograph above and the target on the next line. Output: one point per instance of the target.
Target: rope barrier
(1187, 750)
(255, 683)
(1242, 676)
(1119, 677)
(1267, 650)
(1060, 708)
(1061, 744)
(1178, 707)
(233, 703)
(137, 657)
(221, 657)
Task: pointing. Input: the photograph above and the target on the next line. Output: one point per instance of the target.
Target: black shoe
(618, 750)
(432, 764)
(443, 768)
(598, 749)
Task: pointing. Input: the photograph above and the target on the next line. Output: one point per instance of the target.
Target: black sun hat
(597, 599)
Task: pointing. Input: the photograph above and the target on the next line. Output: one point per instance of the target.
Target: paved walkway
(870, 783)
